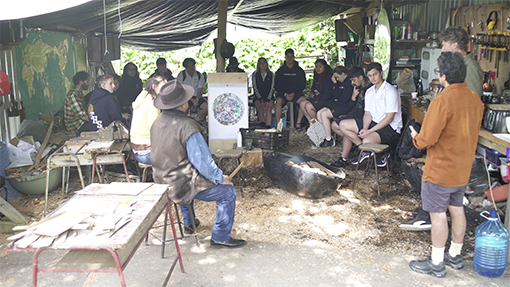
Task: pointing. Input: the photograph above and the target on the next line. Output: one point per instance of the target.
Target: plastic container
(266, 140)
(491, 247)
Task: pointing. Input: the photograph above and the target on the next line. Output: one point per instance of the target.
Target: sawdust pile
(352, 218)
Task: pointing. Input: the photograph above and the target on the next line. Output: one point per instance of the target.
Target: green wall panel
(46, 67)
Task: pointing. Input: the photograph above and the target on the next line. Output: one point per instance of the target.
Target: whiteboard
(228, 110)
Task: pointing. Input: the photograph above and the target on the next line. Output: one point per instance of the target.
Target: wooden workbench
(111, 252)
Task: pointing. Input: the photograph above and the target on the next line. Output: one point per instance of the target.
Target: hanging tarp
(158, 25)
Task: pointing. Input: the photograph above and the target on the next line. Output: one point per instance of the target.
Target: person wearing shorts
(382, 120)
(450, 135)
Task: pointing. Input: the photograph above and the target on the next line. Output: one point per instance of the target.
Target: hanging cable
(105, 38)
(120, 20)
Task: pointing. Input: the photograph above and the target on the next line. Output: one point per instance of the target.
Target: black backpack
(405, 147)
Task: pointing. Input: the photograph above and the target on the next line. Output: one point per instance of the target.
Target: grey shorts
(436, 198)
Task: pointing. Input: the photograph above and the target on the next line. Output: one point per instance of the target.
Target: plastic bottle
(491, 247)
(239, 139)
(419, 88)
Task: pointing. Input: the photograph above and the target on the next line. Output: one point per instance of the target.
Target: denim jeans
(225, 197)
(143, 158)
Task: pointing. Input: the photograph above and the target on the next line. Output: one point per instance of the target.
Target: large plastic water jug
(491, 246)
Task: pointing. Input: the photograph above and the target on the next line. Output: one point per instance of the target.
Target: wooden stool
(373, 149)
(235, 155)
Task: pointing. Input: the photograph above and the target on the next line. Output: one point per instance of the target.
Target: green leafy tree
(315, 40)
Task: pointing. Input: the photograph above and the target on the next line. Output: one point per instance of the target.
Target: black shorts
(201, 101)
(318, 105)
(436, 198)
(338, 109)
(387, 134)
(296, 98)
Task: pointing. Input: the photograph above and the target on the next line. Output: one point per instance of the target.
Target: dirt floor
(352, 218)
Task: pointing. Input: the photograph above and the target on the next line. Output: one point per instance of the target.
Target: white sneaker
(416, 224)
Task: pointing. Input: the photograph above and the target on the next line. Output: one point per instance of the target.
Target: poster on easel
(227, 107)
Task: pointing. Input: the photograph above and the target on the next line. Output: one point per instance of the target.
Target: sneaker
(189, 229)
(416, 224)
(382, 161)
(425, 266)
(326, 143)
(339, 163)
(354, 152)
(456, 262)
(364, 156)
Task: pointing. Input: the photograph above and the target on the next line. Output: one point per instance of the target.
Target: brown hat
(172, 94)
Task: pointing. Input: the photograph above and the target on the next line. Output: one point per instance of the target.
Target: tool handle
(236, 170)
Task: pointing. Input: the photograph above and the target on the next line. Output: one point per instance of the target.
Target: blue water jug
(491, 247)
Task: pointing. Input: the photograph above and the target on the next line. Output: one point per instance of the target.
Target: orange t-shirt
(450, 135)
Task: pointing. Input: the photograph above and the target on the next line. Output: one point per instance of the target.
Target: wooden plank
(220, 78)
(221, 144)
(60, 224)
(39, 222)
(11, 212)
(87, 259)
(41, 149)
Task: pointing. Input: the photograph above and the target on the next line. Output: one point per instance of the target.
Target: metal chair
(374, 149)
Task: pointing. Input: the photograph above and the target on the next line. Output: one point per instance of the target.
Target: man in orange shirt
(450, 135)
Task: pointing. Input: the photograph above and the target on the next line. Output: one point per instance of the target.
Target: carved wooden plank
(11, 212)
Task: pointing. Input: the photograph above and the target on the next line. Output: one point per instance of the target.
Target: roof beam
(355, 3)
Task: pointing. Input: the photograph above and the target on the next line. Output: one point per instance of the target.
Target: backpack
(405, 147)
(184, 75)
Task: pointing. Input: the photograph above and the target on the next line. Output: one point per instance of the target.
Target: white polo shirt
(385, 100)
(193, 81)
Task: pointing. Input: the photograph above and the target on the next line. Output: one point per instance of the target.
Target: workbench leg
(173, 231)
(35, 269)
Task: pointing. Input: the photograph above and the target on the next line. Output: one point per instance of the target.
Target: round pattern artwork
(228, 109)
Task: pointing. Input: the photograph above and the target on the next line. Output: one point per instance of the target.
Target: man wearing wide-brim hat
(181, 158)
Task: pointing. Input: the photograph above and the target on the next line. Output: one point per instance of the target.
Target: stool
(374, 149)
(144, 179)
(235, 155)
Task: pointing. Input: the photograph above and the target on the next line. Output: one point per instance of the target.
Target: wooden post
(222, 34)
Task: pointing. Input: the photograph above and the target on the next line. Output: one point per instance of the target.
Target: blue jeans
(143, 158)
(225, 197)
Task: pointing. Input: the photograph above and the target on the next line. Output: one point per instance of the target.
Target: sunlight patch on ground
(207, 260)
(349, 195)
(229, 278)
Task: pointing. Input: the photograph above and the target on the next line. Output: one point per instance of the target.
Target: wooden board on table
(118, 188)
(96, 146)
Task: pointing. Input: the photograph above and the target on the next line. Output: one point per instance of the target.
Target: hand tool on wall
(479, 45)
(455, 15)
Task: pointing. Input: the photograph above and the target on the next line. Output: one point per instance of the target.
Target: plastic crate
(266, 140)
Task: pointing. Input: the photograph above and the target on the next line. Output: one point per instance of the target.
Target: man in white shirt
(190, 76)
(382, 121)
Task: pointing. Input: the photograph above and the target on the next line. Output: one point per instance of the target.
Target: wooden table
(110, 252)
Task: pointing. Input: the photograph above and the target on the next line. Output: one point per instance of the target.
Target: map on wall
(228, 109)
(46, 67)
